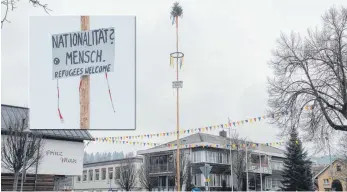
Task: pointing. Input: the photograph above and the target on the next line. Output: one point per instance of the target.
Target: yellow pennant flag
(182, 59)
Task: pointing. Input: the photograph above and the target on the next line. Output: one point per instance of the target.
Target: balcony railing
(256, 168)
(276, 166)
(161, 168)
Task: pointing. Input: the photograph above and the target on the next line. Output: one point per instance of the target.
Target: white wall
(100, 184)
(59, 158)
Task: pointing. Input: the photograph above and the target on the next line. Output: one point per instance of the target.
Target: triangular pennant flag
(181, 62)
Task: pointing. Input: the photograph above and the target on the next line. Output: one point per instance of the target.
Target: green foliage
(297, 174)
(176, 10)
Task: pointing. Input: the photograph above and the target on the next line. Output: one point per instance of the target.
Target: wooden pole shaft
(85, 87)
(178, 117)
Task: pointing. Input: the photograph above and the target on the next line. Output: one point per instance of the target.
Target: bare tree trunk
(15, 181)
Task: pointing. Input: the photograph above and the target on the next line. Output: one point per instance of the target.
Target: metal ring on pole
(177, 55)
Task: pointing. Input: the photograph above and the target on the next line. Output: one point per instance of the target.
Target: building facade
(334, 173)
(56, 147)
(104, 176)
(264, 168)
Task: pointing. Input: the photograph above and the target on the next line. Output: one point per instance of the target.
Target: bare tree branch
(312, 71)
(13, 148)
(144, 177)
(10, 5)
(184, 168)
(239, 159)
(128, 174)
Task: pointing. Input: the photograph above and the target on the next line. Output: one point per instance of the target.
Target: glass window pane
(117, 173)
(97, 174)
(103, 173)
(91, 175)
(110, 173)
(85, 175)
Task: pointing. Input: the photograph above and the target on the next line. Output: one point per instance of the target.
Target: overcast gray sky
(226, 44)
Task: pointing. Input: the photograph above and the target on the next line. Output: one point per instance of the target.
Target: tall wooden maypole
(177, 12)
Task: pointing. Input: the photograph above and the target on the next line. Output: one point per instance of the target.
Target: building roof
(213, 139)
(326, 167)
(112, 162)
(9, 114)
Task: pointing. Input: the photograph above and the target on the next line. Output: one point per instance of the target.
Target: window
(117, 173)
(110, 173)
(163, 160)
(78, 178)
(197, 180)
(91, 175)
(103, 173)
(326, 181)
(217, 180)
(171, 181)
(220, 158)
(276, 183)
(338, 167)
(85, 175)
(97, 174)
(268, 182)
(197, 156)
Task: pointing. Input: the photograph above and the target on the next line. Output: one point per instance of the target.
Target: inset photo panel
(82, 72)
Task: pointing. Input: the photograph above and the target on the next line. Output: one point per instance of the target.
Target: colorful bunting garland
(150, 144)
(196, 130)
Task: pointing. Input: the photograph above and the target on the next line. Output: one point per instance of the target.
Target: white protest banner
(83, 53)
